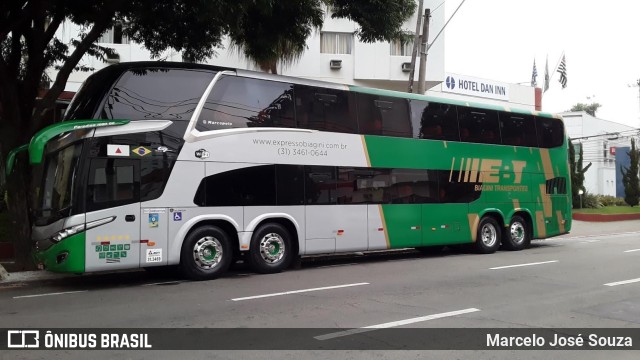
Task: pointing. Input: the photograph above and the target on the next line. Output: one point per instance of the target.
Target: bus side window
(384, 115)
(290, 184)
(369, 119)
(550, 132)
(167, 94)
(439, 122)
(396, 117)
(482, 125)
(237, 102)
(320, 185)
(112, 182)
(325, 109)
(250, 186)
(518, 130)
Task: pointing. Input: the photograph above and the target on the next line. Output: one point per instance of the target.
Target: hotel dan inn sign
(471, 86)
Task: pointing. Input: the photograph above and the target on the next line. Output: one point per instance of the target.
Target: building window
(400, 48)
(336, 43)
(114, 36)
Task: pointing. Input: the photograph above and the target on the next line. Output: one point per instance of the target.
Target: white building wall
(369, 64)
(600, 178)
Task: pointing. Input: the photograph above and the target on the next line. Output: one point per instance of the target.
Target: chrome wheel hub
(517, 232)
(207, 252)
(489, 235)
(272, 248)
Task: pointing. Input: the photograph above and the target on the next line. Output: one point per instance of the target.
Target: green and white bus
(165, 164)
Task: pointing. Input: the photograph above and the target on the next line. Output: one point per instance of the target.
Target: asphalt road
(584, 280)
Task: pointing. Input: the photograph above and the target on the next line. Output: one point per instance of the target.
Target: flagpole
(557, 66)
(555, 70)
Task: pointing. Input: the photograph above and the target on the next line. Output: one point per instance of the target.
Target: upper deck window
(518, 130)
(383, 115)
(156, 94)
(326, 109)
(478, 125)
(550, 132)
(237, 102)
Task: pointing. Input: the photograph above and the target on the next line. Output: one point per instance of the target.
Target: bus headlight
(61, 235)
(67, 232)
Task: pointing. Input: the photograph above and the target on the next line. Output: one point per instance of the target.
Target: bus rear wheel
(270, 250)
(206, 253)
(517, 235)
(488, 236)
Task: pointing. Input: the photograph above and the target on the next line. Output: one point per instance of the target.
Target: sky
(499, 40)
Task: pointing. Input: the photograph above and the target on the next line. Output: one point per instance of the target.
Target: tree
(630, 178)
(29, 46)
(589, 109)
(262, 35)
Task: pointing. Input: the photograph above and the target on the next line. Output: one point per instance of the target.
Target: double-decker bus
(165, 164)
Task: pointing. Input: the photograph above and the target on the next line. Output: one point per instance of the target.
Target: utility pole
(423, 52)
(414, 51)
(637, 84)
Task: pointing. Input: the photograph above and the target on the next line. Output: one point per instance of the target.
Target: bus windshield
(54, 195)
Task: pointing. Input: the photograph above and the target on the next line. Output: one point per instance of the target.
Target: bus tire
(206, 253)
(516, 236)
(488, 237)
(271, 249)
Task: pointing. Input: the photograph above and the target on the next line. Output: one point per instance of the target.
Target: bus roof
(116, 70)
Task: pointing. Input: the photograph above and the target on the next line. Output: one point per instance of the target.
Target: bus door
(113, 202)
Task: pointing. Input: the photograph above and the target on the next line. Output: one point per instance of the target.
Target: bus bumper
(66, 256)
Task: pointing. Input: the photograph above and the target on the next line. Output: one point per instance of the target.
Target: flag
(534, 75)
(546, 75)
(562, 69)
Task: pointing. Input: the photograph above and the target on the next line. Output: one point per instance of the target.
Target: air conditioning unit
(406, 67)
(335, 64)
(113, 59)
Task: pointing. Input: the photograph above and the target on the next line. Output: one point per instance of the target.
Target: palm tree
(276, 33)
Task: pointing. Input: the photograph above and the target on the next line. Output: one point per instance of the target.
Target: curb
(4, 275)
(31, 276)
(607, 217)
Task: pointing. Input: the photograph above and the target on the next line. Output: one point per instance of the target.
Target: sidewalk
(581, 228)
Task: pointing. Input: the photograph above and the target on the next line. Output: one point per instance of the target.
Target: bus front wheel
(488, 237)
(206, 253)
(517, 235)
(271, 249)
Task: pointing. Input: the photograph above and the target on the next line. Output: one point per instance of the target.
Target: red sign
(612, 150)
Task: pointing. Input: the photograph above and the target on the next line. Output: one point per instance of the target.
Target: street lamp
(580, 192)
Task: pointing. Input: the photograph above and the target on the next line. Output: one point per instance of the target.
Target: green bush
(591, 201)
(608, 200)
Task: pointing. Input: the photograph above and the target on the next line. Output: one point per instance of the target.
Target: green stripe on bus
(73, 246)
(510, 187)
